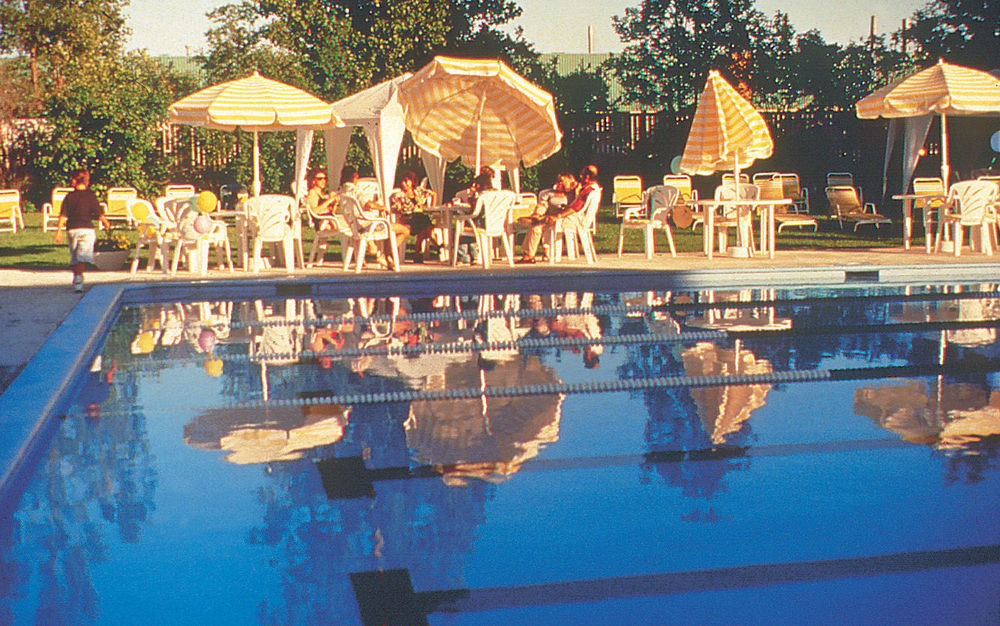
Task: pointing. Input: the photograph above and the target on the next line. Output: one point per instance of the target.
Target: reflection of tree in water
(98, 475)
(674, 425)
(971, 463)
(420, 524)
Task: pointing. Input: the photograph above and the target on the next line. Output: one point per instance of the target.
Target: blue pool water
(706, 456)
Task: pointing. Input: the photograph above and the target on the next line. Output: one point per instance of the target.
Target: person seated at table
(541, 229)
(349, 177)
(553, 200)
(319, 200)
(408, 204)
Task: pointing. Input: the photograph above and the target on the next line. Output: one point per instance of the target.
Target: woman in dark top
(79, 210)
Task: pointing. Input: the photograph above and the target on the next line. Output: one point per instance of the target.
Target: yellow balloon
(207, 202)
(213, 367)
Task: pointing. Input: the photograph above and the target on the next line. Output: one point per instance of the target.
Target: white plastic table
(766, 210)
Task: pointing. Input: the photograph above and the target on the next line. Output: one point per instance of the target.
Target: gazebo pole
(945, 168)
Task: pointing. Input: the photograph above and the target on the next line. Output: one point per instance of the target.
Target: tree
(109, 123)
(672, 44)
(61, 38)
(962, 31)
(336, 48)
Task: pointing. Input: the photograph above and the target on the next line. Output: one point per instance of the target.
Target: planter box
(111, 261)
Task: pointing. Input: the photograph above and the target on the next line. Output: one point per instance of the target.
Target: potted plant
(111, 251)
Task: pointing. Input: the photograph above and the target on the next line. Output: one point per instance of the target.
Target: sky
(180, 29)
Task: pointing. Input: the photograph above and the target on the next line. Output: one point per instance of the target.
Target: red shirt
(581, 197)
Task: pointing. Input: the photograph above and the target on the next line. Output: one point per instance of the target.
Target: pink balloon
(206, 339)
(202, 224)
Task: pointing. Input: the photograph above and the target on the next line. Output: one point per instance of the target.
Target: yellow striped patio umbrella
(943, 89)
(727, 132)
(481, 111)
(254, 104)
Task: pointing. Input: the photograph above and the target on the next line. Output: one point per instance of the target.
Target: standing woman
(79, 210)
(408, 203)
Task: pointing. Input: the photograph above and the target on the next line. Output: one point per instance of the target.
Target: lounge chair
(846, 206)
(686, 212)
(773, 188)
(627, 194)
(10, 210)
(116, 206)
(52, 208)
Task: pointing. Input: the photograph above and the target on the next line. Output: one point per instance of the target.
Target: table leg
(709, 229)
(907, 222)
(772, 240)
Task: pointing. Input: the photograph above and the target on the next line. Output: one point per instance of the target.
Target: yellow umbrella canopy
(727, 132)
(255, 104)
(479, 110)
(943, 89)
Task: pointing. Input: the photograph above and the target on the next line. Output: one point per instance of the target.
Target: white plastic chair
(272, 220)
(576, 226)
(736, 216)
(364, 229)
(194, 243)
(971, 204)
(328, 226)
(495, 208)
(660, 201)
(153, 233)
(52, 208)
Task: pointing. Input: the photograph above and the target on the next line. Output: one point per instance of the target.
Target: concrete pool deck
(34, 303)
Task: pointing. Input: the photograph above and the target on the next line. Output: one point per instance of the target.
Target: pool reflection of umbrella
(266, 434)
(485, 437)
(724, 409)
(950, 417)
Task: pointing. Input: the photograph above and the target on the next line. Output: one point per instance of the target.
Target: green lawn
(32, 249)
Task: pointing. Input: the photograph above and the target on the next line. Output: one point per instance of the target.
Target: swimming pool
(452, 457)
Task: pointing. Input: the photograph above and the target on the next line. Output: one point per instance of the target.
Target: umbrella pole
(256, 164)
(945, 169)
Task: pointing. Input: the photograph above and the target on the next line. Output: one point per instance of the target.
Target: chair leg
(459, 228)
(347, 252)
(485, 245)
(508, 248)
(670, 239)
(649, 243)
(135, 261)
(959, 234)
(621, 239)
(319, 244)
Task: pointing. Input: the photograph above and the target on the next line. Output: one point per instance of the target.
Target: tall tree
(962, 31)
(341, 46)
(671, 45)
(61, 38)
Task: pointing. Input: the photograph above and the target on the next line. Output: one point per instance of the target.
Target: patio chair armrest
(870, 208)
(632, 213)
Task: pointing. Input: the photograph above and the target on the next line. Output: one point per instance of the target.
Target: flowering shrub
(110, 241)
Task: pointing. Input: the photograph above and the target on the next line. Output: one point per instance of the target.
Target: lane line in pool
(673, 583)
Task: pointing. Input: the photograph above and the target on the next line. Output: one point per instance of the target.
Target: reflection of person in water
(97, 388)
(326, 338)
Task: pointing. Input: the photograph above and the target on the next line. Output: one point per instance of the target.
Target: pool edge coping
(72, 345)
